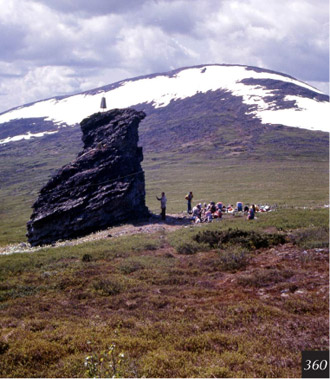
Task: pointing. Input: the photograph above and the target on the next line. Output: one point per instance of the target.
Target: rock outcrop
(104, 186)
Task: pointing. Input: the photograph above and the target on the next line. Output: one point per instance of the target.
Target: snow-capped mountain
(261, 96)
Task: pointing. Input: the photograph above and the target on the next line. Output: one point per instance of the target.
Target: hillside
(180, 304)
(207, 129)
(233, 298)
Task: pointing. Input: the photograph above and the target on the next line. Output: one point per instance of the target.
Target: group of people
(208, 212)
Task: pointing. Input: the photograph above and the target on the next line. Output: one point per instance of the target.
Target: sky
(57, 47)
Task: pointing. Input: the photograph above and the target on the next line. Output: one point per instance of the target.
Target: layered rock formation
(104, 186)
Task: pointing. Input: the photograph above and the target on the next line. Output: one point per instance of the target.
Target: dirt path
(152, 225)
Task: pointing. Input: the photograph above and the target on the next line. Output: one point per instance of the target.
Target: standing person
(189, 197)
(163, 201)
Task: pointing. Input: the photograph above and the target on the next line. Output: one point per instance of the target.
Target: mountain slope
(235, 132)
(265, 96)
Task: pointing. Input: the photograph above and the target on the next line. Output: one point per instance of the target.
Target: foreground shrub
(309, 238)
(247, 239)
(127, 267)
(3, 347)
(168, 363)
(86, 258)
(7, 292)
(265, 277)
(187, 248)
(232, 260)
(107, 287)
(308, 305)
(29, 356)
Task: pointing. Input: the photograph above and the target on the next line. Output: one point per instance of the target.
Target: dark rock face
(104, 186)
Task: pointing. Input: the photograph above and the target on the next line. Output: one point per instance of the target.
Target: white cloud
(291, 37)
(39, 83)
(148, 49)
(86, 43)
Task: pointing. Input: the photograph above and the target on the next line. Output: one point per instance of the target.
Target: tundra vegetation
(228, 299)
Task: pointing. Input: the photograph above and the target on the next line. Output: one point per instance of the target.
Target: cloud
(38, 83)
(11, 40)
(88, 8)
(92, 43)
(272, 35)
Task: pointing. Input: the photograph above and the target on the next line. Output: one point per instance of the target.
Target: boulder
(103, 187)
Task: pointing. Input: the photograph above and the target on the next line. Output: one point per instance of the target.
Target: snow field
(162, 89)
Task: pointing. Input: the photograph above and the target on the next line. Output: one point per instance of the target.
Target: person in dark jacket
(189, 197)
(163, 201)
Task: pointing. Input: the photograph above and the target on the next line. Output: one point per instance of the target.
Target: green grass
(303, 227)
(285, 182)
(209, 150)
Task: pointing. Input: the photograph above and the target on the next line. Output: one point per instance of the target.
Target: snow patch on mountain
(160, 90)
(309, 114)
(26, 136)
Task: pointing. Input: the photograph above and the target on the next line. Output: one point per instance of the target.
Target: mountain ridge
(269, 96)
(114, 84)
(215, 142)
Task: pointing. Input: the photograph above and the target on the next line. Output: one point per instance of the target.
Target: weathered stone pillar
(104, 186)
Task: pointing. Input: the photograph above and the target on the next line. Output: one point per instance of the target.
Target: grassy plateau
(233, 298)
(286, 183)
